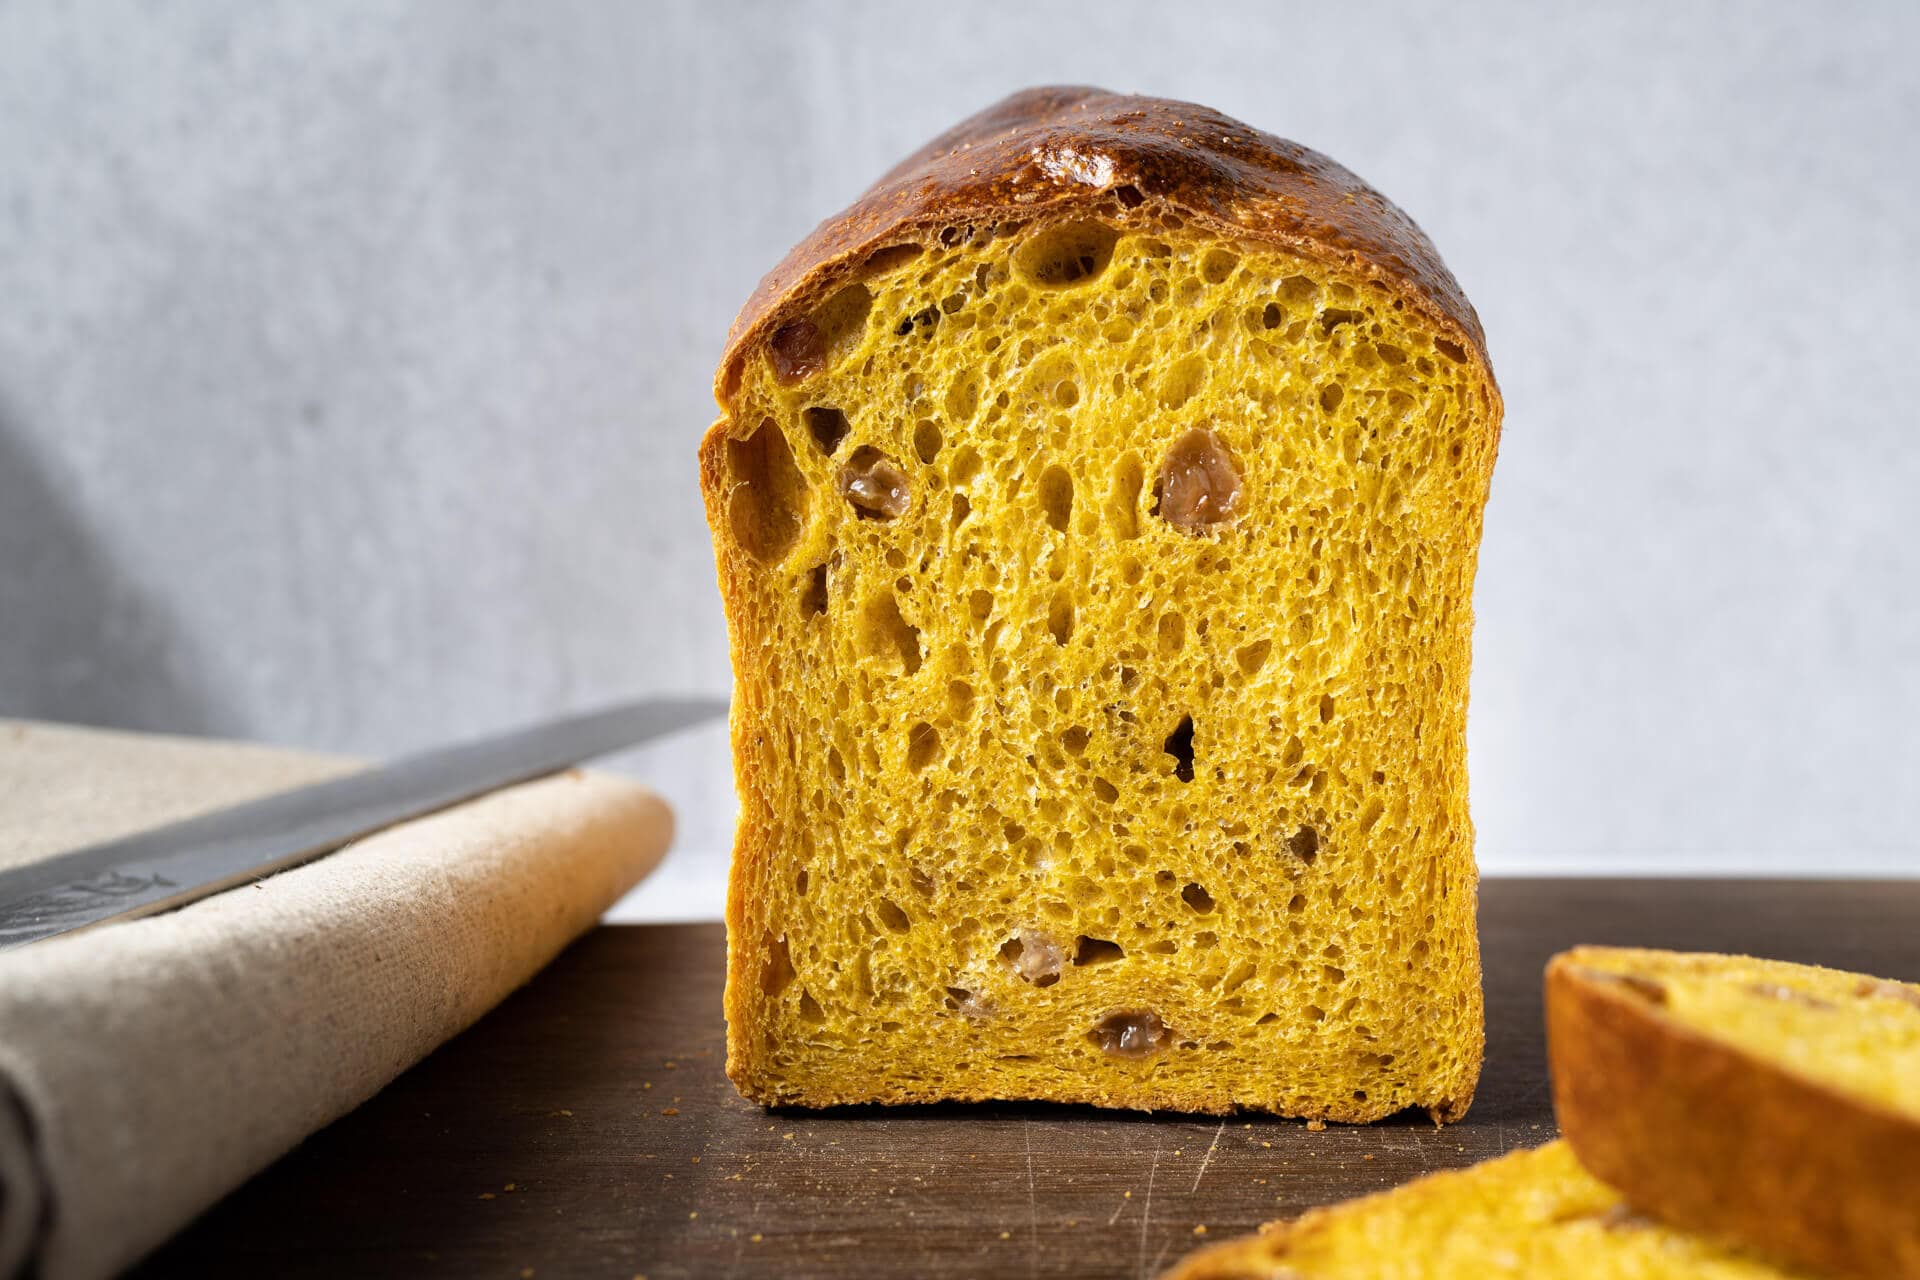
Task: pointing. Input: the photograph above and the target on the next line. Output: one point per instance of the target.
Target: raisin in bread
(1769, 1103)
(1530, 1215)
(1096, 506)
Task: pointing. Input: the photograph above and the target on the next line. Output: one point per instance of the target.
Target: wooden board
(586, 1128)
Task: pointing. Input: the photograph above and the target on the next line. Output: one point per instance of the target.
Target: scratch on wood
(1033, 1223)
(1208, 1158)
(1146, 1211)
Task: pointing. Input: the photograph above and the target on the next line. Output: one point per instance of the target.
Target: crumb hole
(1216, 265)
(1333, 317)
(1179, 745)
(927, 441)
(1056, 496)
(828, 426)
(769, 494)
(1088, 951)
(885, 633)
(1060, 618)
(1197, 897)
(894, 255)
(1304, 845)
(777, 972)
(891, 915)
(1070, 254)
(813, 600)
(923, 743)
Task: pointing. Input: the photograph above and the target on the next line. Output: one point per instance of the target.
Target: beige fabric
(148, 1067)
(62, 786)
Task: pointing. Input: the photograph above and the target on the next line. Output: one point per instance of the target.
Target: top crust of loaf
(1054, 152)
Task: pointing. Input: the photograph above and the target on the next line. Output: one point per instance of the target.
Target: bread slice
(1096, 506)
(1528, 1215)
(1773, 1104)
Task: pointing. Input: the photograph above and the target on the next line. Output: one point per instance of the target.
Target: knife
(171, 866)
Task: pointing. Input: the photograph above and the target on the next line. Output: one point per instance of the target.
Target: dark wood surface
(585, 1127)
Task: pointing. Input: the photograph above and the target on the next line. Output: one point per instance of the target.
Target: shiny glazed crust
(1060, 151)
(1711, 1138)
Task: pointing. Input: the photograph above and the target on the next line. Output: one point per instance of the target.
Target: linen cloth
(149, 1067)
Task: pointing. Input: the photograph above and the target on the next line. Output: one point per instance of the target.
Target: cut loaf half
(1096, 506)
(1773, 1104)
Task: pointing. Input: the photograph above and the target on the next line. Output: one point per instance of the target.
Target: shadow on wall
(79, 641)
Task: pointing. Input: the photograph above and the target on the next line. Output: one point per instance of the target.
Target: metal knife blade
(170, 866)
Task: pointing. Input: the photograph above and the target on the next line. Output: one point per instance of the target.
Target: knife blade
(171, 866)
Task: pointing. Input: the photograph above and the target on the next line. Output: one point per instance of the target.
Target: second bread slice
(1773, 1104)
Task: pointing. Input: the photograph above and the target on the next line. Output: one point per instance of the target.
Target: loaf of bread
(1771, 1104)
(1530, 1215)
(1096, 505)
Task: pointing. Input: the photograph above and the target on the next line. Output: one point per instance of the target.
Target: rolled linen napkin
(149, 1067)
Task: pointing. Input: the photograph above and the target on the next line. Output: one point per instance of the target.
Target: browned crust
(1057, 152)
(1716, 1140)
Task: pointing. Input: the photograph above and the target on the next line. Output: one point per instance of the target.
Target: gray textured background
(352, 358)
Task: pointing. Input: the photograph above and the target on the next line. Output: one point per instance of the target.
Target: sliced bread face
(1098, 572)
(1529, 1215)
(1768, 1103)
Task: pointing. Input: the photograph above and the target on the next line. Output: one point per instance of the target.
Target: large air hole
(828, 427)
(1196, 896)
(923, 744)
(1333, 317)
(1179, 745)
(891, 915)
(813, 598)
(1304, 845)
(881, 261)
(1088, 951)
(927, 441)
(769, 495)
(1056, 496)
(884, 633)
(843, 321)
(1070, 254)
(777, 972)
(1216, 265)
(1060, 617)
